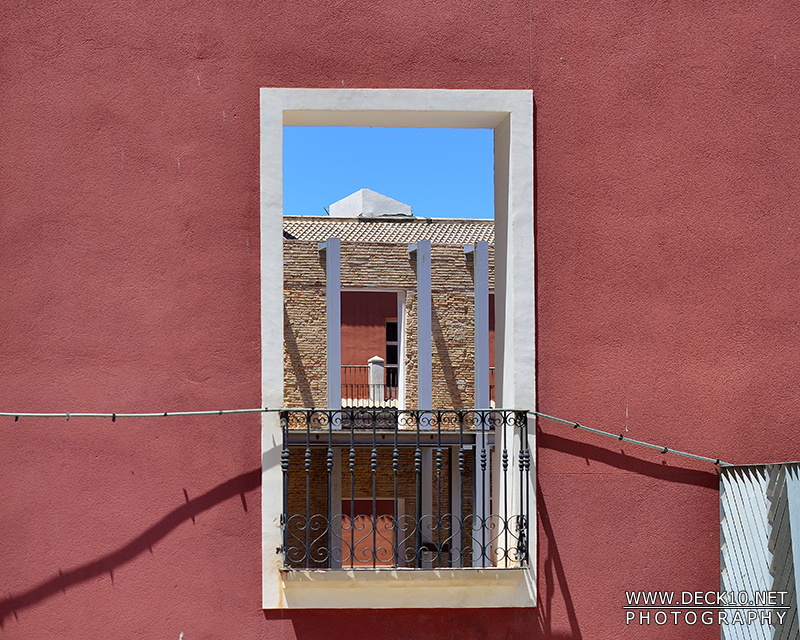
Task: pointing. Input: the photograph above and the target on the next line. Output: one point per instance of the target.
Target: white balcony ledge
(407, 588)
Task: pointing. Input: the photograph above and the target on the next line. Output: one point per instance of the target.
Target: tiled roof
(388, 230)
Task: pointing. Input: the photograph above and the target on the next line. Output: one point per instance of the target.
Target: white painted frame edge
(510, 114)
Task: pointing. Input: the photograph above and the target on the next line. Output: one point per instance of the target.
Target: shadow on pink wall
(555, 599)
(141, 543)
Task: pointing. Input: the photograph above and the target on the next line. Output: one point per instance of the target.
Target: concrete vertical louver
(760, 539)
(784, 539)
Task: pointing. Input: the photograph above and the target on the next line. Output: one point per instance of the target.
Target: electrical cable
(621, 437)
(575, 425)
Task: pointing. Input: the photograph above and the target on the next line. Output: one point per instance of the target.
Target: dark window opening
(370, 328)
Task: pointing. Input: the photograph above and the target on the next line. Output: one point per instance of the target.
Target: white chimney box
(368, 204)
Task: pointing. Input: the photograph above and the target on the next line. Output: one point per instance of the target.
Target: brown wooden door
(368, 537)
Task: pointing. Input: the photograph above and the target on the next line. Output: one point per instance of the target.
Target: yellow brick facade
(385, 267)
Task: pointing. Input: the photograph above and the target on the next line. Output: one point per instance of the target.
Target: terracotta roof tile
(389, 230)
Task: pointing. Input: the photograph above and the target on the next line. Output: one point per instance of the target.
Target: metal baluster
(439, 486)
(374, 468)
(329, 466)
(485, 486)
(285, 468)
(461, 487)
(395, 469)
(418, 471)
(505, 484)
(352, 488)
(526, 477)
(308, 489)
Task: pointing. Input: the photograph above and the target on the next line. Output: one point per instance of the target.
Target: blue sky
(441, 173)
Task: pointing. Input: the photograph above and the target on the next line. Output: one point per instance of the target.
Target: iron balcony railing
(389, 488)
(359, 391)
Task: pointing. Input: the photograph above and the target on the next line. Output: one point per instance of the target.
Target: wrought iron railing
(388, 488)
(355, 382)
(359, 391)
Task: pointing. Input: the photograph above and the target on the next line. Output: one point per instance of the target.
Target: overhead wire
(164, 414)
(623, 438)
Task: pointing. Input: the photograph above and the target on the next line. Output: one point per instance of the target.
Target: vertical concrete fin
(424, 310)
(481, 279)
(333, 304)
(760, 538)
(784, 492)
(425, 367)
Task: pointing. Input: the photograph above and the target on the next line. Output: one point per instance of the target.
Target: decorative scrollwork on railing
(390, 418)
(388, 488)
(389, 542)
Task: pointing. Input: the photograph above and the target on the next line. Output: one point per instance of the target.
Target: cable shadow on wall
(553, 579)
(141, 543)
(681, 475)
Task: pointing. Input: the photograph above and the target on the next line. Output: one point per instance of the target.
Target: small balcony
(365, 386)
(391, 489)
(372, 385)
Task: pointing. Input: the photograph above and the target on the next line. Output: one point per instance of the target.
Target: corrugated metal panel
(760, 536)
(744, 536)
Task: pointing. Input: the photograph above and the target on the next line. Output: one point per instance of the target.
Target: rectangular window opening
(392, 377)
(370, 349)
(327, 457)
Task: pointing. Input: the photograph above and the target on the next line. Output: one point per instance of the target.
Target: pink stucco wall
(667, 251)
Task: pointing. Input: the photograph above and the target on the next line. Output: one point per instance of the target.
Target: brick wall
(387, 267)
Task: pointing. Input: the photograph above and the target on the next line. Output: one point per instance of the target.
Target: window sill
(407, 589)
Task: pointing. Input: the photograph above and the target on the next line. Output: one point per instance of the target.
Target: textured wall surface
(667, 291)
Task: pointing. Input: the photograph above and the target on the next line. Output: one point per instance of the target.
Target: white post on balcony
(481, 503)
(480, 252)
(401, 350)
(424, 365)
(424, 369)
(376, 393)
(331, 249)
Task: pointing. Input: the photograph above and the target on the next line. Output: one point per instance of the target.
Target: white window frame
(510, 115)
